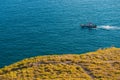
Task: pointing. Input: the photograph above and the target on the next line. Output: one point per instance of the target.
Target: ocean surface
(45, 27)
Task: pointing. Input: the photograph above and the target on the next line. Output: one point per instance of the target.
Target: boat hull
(88, 26)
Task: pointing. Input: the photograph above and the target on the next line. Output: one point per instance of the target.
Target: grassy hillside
(103, 64)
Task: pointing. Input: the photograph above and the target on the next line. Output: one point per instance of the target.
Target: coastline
(101, 64)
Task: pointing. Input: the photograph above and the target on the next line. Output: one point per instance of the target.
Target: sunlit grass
(103, 64)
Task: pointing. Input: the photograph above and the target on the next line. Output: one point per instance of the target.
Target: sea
(31, 28)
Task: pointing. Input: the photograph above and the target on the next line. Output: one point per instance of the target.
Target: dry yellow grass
(103, 64)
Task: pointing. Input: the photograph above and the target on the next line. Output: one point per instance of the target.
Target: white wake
(107, 27)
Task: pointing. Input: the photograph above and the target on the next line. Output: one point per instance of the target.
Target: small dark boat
(88, 25)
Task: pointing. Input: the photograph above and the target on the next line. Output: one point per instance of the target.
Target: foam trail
(107, 27)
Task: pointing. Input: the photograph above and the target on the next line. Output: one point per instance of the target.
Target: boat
(88, 25)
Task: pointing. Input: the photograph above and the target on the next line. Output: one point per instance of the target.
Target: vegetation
(103, 64)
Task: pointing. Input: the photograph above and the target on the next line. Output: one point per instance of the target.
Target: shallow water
(45, 27)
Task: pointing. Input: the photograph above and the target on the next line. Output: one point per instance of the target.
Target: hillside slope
(103, 64)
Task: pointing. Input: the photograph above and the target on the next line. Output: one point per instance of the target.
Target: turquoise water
(45, 27)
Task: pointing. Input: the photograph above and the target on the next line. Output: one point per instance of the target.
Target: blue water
(45, 27)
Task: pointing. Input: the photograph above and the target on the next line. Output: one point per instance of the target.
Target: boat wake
(107, 27)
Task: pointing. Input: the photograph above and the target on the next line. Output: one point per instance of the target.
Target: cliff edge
(103, 64)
